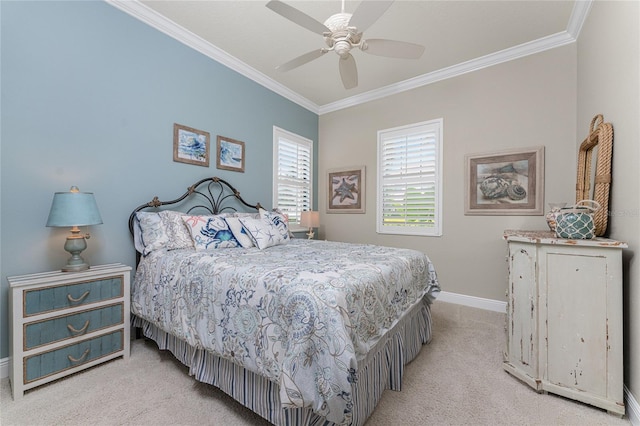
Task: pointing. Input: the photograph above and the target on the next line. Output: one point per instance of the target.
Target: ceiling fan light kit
(343, 32)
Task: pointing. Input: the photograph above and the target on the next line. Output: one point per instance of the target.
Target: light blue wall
(89, 98)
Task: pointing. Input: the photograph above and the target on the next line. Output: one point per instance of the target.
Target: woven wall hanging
(600, 136)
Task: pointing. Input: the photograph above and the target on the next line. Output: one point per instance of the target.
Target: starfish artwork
(345, 190)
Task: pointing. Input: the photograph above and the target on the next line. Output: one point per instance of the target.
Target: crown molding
(525, 49)
(170, 28)
(147, 15)
(581, 9)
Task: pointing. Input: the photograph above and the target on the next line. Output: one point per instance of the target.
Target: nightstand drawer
(69, 326)
(55, 361)
(55, 298)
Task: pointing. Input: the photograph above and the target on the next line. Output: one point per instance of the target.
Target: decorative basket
(576, 223)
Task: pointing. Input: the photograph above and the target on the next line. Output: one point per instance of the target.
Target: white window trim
(277, 134)
(417, 231)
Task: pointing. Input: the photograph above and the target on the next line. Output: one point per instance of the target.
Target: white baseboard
(4, 368)
(633, 408)
(474, 302)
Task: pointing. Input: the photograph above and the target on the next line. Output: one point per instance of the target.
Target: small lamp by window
(74, 209)
(310, 219)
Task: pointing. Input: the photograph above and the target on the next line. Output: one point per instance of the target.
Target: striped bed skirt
(381, 369)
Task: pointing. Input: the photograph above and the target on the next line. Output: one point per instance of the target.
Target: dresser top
(59, 276)
(548, 237)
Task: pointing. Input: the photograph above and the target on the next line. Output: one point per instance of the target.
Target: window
(410, 179)
(292, 175)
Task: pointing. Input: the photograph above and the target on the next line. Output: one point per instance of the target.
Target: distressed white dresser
(64, 322)
(564, 317)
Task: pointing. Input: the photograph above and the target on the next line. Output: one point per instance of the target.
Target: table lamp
(74, 209)
(310, 219)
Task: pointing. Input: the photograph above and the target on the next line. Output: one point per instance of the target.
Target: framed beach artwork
(230, 154)
(346, 190)
(509, 182)
(190, 145)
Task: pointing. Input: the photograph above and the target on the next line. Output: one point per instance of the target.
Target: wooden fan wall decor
(600, 137)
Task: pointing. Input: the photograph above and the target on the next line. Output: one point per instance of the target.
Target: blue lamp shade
(74, 208)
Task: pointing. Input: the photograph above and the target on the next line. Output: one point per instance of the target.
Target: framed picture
(230, 154)
(346, 190)
(508, 182)
(190, 145)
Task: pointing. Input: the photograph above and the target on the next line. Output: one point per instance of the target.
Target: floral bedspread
(302, 314)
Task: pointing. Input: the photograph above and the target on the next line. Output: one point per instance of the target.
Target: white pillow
(154, 236)
(263, 232)
(255, 215)
(137, 235)
(178, 234)
(239, 232)
(210, 232)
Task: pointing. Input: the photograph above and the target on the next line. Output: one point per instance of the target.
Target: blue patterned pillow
(239, 232)
(279, 220)
(263, 232)
(210, 232)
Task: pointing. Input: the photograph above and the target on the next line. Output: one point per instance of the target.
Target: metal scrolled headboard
(213, 192)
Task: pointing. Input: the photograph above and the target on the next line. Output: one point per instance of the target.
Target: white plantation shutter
(293, 172)
(410, 179)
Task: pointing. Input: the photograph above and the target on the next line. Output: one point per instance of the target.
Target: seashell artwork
(505, 182)
(494, 187)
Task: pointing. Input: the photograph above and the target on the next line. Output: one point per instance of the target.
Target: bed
(302, 332)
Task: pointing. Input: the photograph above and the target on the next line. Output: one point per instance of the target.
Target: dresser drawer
(69, 326)
(70, 356)
(64, 322)
(53, 298)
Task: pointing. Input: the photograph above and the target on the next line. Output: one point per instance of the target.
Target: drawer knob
(84, 355)
(82, 330)
(79, 299)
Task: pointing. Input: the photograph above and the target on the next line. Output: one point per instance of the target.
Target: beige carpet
(456, 380)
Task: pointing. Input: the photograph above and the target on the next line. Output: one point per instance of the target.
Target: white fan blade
(392, 48)
(348, 71)
(298, 17)
(301, 60)
(367, 13)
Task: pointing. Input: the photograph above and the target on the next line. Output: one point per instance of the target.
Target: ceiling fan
(343, 32)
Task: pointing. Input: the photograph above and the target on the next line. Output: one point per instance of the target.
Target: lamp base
(310, 234)
(75, 268)
(75, 244)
